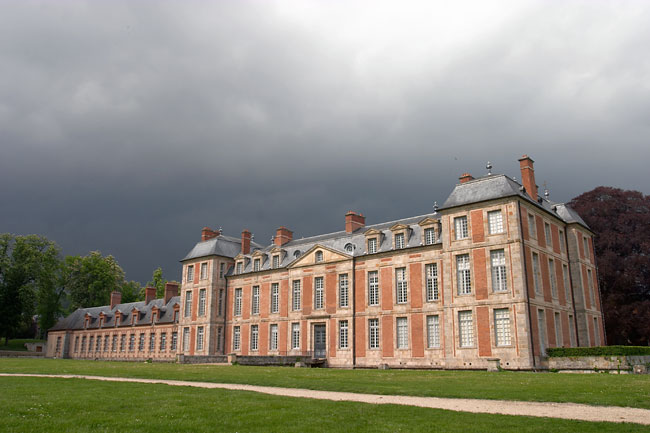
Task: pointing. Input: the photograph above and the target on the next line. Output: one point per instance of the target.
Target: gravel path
(574, 411)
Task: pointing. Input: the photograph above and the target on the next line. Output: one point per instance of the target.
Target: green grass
(595, 389)
(75, 405)
(18, 344)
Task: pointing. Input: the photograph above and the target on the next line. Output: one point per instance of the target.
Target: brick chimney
(245, 242)
(116, 298)
(207, 233)
(354, 221)
(149, 294)
(171, 290)
(465, 177)
(528, 176)
(282, 236)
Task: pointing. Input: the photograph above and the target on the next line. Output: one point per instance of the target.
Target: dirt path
(574, 411)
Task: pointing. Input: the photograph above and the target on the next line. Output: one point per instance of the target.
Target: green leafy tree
(131, 292)
(89, 280)
(158, 282)
(29, 270)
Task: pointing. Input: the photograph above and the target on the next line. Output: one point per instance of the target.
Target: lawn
(18, 343)
(76, 405)
(596, 389)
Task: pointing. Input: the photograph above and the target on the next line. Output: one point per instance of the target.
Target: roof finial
(220, 229)
(252, 237)
(489, 168)
(546, 193)
(435, 207)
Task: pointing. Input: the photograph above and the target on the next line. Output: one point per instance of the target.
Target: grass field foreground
(595, 389)
(30, 405)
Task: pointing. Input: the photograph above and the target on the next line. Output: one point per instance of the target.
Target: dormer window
(276, 261)
(372, 245)
(190, 273)
(296, 254)
(349, 248)
(399, 240)
(238, 268)
(256, 265)
(318, 256)
(429, 236)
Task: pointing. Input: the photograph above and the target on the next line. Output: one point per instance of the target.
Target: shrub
(556, 352)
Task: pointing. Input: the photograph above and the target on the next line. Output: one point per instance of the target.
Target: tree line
(37, 281)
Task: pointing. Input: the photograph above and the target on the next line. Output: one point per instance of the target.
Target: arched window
(296, 254)
(319, 256)
(349, 248)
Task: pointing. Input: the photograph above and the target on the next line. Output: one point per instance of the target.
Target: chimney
(149, 294)
(171, 290)
(465, 177)
(207, 233)
(282, 236)
(116, 298)
(354, 221)
(245, 242)
(528, 176)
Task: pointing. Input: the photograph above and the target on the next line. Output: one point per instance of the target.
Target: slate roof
(226, 246)
(497, 186)
(144, 315)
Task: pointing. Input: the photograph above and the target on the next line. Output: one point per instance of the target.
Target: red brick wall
(555, 235)
(418, 337)
(360, 291)
(559, 277)
(483, 326)
(360, 343)
(246, 302)
(541, 237)
(331, 291)
(386, 285)
(480, 276)
(245, 341)
(263, 346)
(265, 299)
(304, 336)
(529, 273)
(566, 336)
(524, 224)
(387, 336)
(307, 297)
(284, 298)
(546, 281)
(478, 234)
(415, 275)
(283, 329)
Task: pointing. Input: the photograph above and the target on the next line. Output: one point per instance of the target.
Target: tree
(29, 268)
(89, 280)
(131, 292)
(621, 220)
(158, 282)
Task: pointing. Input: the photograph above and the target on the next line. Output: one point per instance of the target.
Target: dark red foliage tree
(621, 221)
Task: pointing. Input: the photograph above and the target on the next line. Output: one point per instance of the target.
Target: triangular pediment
(308, 258)
(371, 232)
(428, 221)
(258, 254)
(276, 249)
(398, 226)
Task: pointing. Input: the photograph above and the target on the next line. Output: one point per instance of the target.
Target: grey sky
(125, 127)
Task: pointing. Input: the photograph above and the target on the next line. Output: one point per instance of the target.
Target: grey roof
(497, 186)
(221, 245)
(338, 241)
(144, 315)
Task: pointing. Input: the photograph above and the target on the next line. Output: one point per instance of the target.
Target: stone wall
(598, 363)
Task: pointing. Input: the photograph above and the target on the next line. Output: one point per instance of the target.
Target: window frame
(495, 226)
(343, 334)
(344, 291)
(372, 245)
(502, 327)
(402, 333)
(255, 300)
(401, 286)
(296, 295)
(203, 294)
(461, 228)
(295, 336)
(374, 340)
(499, 270)
(237, 302)
(236, 338)
(319, 293)
(373, 288)
(254, 341)
(466, 329)
(464, 274)
(430, 237)
(275, 298)
(432, 288)
(433, 331)
(190, 273)
(399, 241)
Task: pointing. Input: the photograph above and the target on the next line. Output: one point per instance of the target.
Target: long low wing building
(497, 272)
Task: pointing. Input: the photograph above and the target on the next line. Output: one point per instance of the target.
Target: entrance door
(320, 349)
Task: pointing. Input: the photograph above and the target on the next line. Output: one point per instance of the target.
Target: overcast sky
(126, 127)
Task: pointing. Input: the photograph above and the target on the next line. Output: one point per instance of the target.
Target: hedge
(556, 352)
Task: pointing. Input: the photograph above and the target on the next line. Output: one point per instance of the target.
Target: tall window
(188, 303)
(222, 269)
(190, 273)
(122, 342)
(402, 333)
(296, 295)
(319, 293)
(460, 227)
(429, 236)
(238, 297)
(202, 294)
(572, 331)
(399, 241)
(343, 334)
(113, 344)
(373, 288)
(495, 222)
(98, 345)
(275, 297)
(567, 284)
(401, 285)
(372, 245)
(319, 256)
(596, 333)
(547, 233)
(562, 241)
(141, 342)
(343, 290)
(236, 338)
(586, 244)
(499, 275)
(558, 330)
(91, 344)
(541, 328)
(152, 341)
(432, 282)
(255, 333)
(255, 302)
(433, 331)
(463, 274)
(131, 342)
(532, 229)
(273, 343)
(174, 340)
(256, 265)
(295, 335)
(373, 333)
(163, 341)
(465, 328)
(106, 343)
(239, 267)
(276, 261)
(536, 278)
(551, 275)
(502, 327)
(220, 303)
(186, 339)
(590, 285)
(219, 338)
(204, 271)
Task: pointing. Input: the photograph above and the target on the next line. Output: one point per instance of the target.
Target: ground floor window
(273, 341)
(502, 326)
(236, 338)
(343, 334)
(402, 333)
(295, 335)
(186, 339)
(255, 333)
(174, 340)
(465, 329)
(433, 331)
(199, 338)
(373, 333)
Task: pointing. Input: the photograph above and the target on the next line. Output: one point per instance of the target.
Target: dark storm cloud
(128, 126)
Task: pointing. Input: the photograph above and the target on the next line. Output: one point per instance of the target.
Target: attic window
(399, 240)
(238, 269)
(276, 261)
(256, 265)
(296, 254)
(319, 256)
(349, 248)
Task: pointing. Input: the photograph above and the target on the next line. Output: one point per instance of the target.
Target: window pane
(373, 288)
(432, 282)
(460, 226)
(433, 331)
(495, 222)
(502, 326)
(499, 275)
(464, 279)
(466, 328)
(402, 333)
